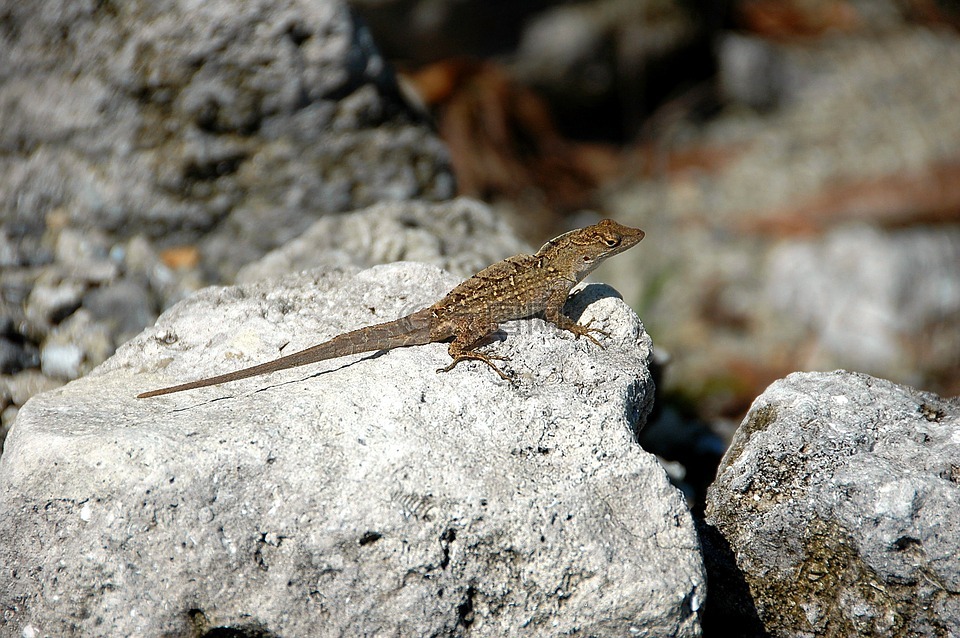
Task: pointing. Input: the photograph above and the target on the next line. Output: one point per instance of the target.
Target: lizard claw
(479, 356)
(586, 331)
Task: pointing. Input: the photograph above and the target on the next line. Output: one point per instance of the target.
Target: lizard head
(578, 252)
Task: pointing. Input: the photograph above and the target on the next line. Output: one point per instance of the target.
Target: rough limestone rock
(225, 119)
(840, 500)
(367, 495)
(462, 236)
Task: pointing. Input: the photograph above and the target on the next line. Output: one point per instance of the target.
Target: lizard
(518, 287)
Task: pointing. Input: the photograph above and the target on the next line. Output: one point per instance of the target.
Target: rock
(23, 385)
(9, 251)
(840, 500)
(51, 303)
(61, 360)
(702, 285)
(759, 72)
(76, 346)
(587, 57)
(462, 236)
(877, 301)
(361, 495)
(85, 255)
(232, 121)
(123, 307)
(7, 416)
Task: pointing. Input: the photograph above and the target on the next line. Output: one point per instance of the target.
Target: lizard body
(516, 288)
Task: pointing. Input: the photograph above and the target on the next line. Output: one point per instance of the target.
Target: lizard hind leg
(478, 356)
(463, 348)
(564, 322)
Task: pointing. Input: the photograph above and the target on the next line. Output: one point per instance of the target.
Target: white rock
(367, 494)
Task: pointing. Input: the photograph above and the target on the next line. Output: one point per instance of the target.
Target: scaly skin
(516, 288)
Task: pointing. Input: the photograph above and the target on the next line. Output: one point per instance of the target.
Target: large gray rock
(227, 119)
(359, 496)
(840, 501)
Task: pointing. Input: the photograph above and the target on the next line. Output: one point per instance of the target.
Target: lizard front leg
(553, 312)
(467, 336)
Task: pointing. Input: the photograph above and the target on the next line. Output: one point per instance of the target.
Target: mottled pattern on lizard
(518, 287)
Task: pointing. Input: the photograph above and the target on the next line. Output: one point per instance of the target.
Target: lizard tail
(412, 330)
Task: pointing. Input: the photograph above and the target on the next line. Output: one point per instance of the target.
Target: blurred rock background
(795, 163)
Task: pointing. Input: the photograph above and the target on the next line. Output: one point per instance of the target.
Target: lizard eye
(611, 241)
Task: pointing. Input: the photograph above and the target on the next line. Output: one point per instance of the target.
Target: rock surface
(462, 236)
(840, 500)
(359, 496)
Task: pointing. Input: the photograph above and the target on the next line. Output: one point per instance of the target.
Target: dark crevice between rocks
(298, 34)
(729, 602)
(446, 539)
(465, 608)
(258, 553)
(202, 628)
(202, 171)
(369, 538)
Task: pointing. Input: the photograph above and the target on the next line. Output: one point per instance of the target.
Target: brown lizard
(515, 288)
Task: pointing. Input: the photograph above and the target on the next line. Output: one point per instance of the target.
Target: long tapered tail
(412, 330)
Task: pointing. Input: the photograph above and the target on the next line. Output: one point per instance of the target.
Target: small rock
(50, 304)
(9, 254)
(7, 416)
(759, 72)
(86, 255)
(23, 385)
(80, 334)
(61, 360)
(123, 306)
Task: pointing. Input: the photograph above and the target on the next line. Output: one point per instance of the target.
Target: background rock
(840, 501)
(462, 236)
(880, 300)
(725, 203)
(362, 495)
(226, 119)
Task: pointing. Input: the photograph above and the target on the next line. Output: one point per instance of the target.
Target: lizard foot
(479, 356)
(586, 331)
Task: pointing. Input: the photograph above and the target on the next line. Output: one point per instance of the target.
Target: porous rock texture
(463, 236)
(367, 495)
(238, 122)
(840, 500)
